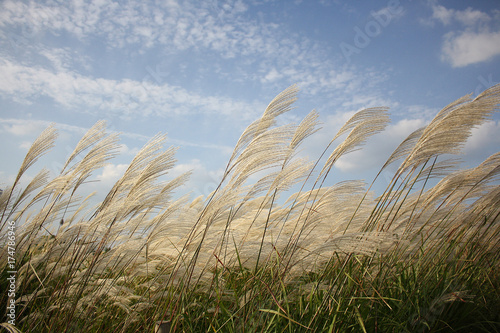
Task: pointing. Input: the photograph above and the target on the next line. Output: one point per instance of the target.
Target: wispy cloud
(210, 28)
(126, 98)
(21, 128)
(64, 59)
(177, 25)
(267, 54)
(473, 38)
(30, 127)
(171, 27)
(468, 17)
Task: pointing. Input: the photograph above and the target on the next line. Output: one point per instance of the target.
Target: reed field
(288, 252)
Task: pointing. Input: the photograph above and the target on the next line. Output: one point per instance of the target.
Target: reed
(251, 256)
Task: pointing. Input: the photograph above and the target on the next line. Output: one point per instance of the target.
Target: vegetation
(423, 256)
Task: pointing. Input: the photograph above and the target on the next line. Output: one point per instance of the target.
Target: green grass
(423, 256)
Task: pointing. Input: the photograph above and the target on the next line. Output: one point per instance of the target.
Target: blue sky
(201, 71)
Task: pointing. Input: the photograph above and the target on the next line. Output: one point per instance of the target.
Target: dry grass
(331, 258)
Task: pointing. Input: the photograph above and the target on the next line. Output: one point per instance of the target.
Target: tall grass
(245, 259)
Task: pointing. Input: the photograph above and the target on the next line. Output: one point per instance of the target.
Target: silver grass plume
(450, 129)
(40, 147)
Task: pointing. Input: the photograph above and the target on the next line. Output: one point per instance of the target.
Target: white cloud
(22, 128)
(468, 47)
(126, 97)
(111, 173)
(472, 42)
(176, 27)
(486, 135)
(273, 75)
(399, 131)
(124, 149)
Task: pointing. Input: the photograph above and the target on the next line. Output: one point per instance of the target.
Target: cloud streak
(126, 98)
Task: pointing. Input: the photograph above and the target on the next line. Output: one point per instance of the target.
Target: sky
(201, 71)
